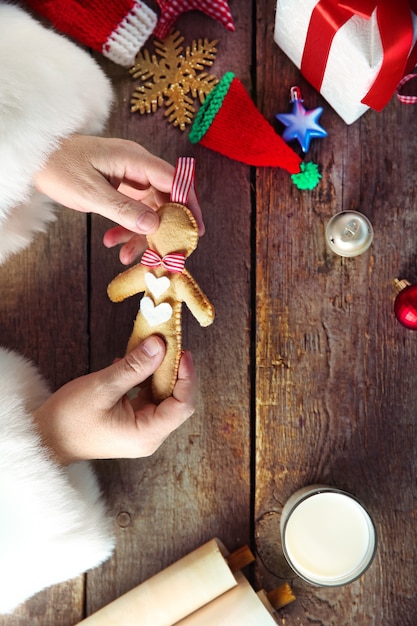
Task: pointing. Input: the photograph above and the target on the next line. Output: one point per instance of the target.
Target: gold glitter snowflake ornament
(174, 79)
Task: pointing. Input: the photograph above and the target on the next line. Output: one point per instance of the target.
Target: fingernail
(151, 346)
(147, 221)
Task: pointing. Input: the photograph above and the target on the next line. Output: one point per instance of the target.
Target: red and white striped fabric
(116, 28)
(183, 180)
(174, 262)
(172, 9)
(400, 96)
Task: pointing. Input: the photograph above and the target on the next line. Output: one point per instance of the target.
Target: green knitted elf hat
(228, 122)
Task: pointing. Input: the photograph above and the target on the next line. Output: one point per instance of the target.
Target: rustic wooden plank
(43, 315)
(335, 397)
(335, 393)
(197, 485)
(44, 295)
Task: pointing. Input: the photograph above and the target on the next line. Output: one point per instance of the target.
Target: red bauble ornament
(405, 305)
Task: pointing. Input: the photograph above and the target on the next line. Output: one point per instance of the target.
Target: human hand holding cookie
(166, 283)
(96, 417)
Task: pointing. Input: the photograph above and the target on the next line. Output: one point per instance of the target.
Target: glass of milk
(327, 537)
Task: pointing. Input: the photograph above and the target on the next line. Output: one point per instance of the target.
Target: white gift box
(354, 60)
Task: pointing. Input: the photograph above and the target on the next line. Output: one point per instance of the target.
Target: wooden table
(305, 376)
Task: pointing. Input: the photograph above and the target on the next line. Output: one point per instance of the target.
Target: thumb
(133, 369)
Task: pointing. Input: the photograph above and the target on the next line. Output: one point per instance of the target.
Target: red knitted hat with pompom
(228, 122)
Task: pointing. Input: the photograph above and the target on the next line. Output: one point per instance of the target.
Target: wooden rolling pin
(177, 591)
(205, 588)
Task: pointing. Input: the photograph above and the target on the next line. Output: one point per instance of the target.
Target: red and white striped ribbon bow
(183, 179)
(174, 262)
(400, 96)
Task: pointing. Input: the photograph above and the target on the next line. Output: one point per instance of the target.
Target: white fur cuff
(53, 523)
(49, 89)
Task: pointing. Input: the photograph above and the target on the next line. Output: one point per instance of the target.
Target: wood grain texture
(334, 399)
(43, 315)
(334, 394)
(197, 485)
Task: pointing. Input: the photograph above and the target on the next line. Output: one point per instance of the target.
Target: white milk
(328, 537)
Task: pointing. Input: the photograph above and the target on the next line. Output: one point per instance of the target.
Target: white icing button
(157, 286)
(155, 315)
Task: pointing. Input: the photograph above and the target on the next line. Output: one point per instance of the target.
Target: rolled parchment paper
(174, 593)
(241, 606)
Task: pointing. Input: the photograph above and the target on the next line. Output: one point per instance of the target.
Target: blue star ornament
(301, 124)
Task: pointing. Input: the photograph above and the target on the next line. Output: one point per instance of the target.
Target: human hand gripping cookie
(166, 283)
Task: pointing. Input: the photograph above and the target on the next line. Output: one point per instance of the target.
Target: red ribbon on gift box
(396, 31)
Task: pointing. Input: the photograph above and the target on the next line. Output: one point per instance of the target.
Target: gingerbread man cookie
(166, 283)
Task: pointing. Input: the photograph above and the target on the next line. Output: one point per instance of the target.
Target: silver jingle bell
(349, 233)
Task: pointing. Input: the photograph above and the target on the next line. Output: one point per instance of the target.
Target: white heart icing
(157, 286)
(155, 315)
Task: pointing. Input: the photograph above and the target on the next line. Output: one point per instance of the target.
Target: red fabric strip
(326, 19)
(183, 180)
(402, 98)
(396, 31)
(174, 262)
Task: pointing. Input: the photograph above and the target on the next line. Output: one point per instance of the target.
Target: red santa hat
(228, 122)
(116, 28)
